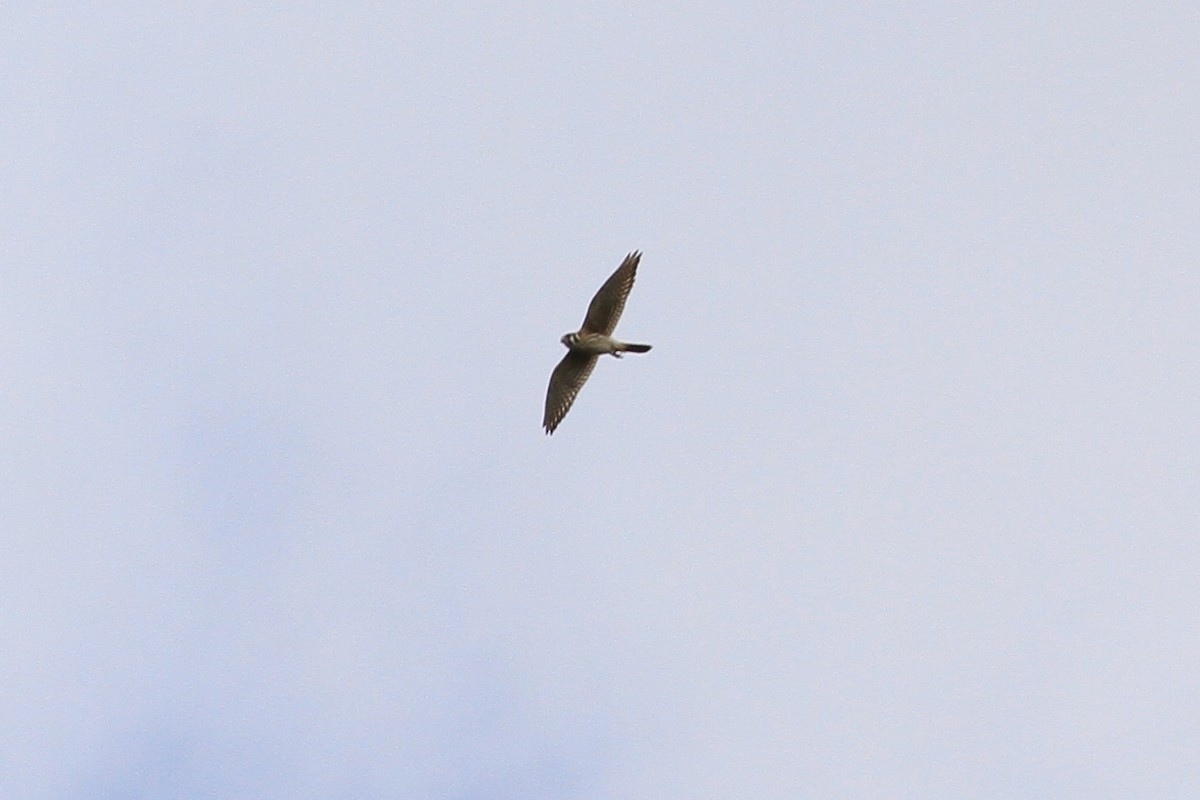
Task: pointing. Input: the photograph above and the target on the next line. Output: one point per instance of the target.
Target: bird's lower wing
(565, 382)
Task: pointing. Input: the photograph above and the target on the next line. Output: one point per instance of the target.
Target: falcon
(592, 340)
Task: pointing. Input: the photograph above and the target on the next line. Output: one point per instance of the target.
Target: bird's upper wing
(606, 307)
(565, 382)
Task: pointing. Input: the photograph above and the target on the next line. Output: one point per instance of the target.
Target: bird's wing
(565, 382)
(606, 307)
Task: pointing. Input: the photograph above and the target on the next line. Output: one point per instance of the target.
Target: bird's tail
(633, 348)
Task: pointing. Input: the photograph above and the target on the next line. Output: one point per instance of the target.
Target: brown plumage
(593, 339)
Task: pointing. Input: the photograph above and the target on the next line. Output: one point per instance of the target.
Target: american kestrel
(592, 340)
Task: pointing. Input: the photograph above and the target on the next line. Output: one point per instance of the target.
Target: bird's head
(569, 339)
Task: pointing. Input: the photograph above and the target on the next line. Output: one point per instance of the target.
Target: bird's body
(598, 344)
(592, 340)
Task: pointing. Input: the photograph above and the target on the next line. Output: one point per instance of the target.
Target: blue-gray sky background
(904, 503)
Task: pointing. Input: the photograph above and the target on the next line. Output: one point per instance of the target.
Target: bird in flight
(592, 340)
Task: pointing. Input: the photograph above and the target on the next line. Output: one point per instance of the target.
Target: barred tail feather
(635, 348)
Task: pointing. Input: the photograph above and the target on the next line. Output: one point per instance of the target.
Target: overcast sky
(904, 503)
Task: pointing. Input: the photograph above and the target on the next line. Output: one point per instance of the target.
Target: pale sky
(905, 502)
